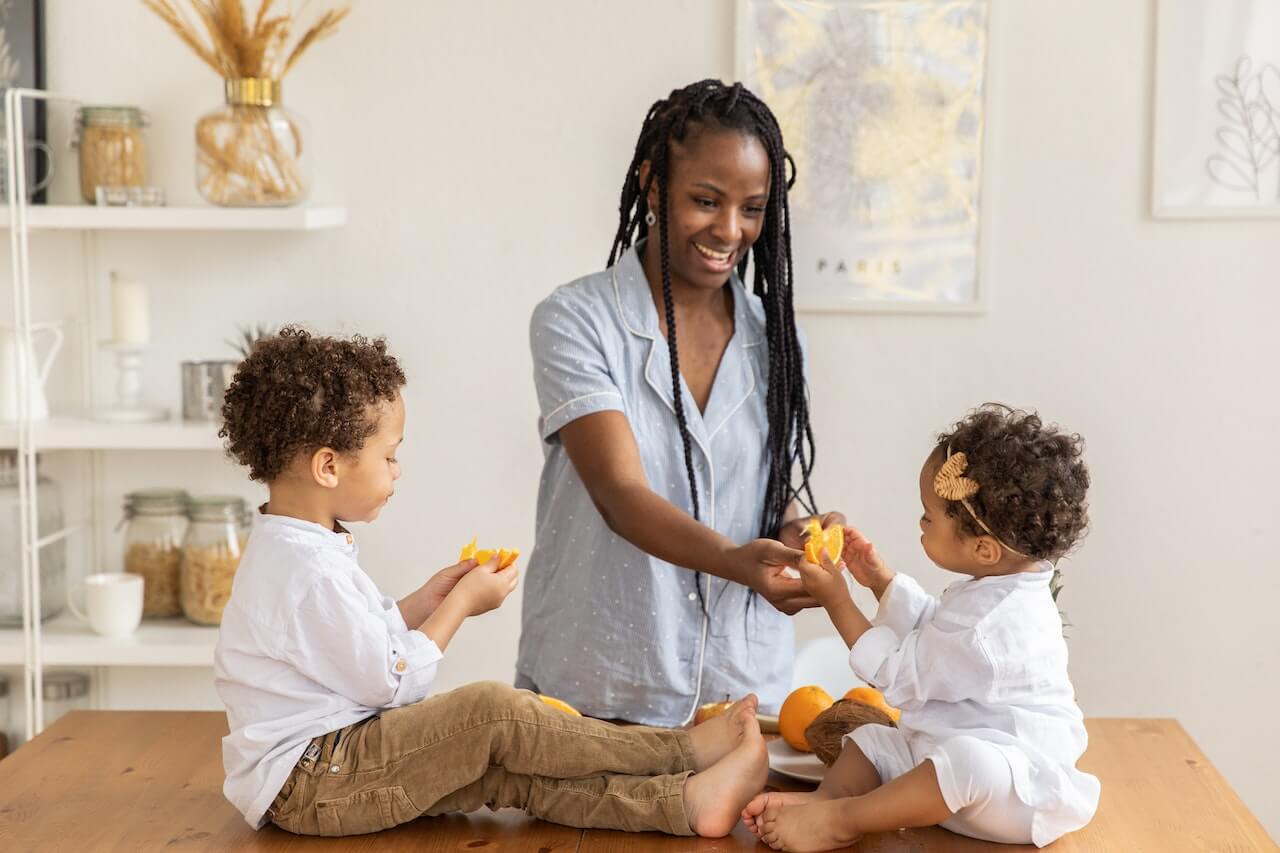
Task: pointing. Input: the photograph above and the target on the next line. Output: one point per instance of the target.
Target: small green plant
(249, 337)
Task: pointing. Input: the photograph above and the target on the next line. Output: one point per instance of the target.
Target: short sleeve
(570, 366)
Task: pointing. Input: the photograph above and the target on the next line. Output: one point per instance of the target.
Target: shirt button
(333, 768)
(693, 596)
(401, 666)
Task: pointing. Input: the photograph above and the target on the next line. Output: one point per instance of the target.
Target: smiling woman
(673, 414)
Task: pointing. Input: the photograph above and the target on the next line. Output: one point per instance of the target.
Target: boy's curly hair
(297, 392)
(1032, 480)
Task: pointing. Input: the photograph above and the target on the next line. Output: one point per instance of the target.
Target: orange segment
(874, 698)
(507, 558)
(829, 541)
(483, 555)
(468, 551)
(560, 705)
(799, 710)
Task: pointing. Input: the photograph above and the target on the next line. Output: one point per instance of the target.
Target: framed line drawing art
(1216, 125)
(881, 104)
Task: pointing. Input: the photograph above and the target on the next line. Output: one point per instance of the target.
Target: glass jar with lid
(63, 692)
(112, 149)
(53, 558)
(210, 555)
(157, 523)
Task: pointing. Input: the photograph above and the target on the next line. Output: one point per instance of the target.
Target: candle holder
(129, 408)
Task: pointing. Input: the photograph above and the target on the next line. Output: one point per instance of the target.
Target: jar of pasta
(112, 149)
(157, 523)
(210, 554)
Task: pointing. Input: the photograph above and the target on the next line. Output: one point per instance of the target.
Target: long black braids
(710, 103)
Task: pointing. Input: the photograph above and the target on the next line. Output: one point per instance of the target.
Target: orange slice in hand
(483, 555)
(829, 542)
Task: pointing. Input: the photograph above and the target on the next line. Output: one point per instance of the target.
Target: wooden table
(140, 781)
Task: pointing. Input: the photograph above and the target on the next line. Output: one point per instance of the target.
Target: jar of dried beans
(157, 523)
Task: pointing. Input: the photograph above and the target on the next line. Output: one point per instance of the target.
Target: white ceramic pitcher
(36, 373)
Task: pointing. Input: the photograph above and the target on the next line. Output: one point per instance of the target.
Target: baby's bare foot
(806, 827)
(751, 814)
(718, 736)
(715, 798)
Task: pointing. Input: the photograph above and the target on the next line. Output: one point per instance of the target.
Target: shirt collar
(640, 316)
(303, 531)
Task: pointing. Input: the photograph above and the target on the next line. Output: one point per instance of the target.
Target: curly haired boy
(325, 679)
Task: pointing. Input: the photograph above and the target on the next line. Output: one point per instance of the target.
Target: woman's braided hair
(710, 104)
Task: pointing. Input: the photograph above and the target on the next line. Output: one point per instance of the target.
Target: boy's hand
(826, 582)
(864, 562)
(485, 587)
(442, 583)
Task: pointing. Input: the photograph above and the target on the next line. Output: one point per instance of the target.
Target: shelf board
(66, 433)
(157, 642)
(78, 217)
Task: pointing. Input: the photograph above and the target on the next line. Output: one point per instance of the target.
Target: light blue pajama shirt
(608, 628)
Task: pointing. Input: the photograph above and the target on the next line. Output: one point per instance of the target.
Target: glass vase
(250, 152)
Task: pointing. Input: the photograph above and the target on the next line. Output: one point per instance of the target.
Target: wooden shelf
(75, 217)
(157, 642)
(66, 433)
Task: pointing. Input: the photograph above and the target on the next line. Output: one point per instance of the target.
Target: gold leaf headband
(950, 484)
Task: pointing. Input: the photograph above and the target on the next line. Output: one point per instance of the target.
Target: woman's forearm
(655, 525)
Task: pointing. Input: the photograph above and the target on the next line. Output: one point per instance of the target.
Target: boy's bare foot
(751, 814)
(812, 826)
(718, 736)
(714, 798)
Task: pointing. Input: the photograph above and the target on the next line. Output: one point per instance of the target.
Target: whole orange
(874, 698)
(798, 711)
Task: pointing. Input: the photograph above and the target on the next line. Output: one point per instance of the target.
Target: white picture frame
(1216, 110)
(944, 263)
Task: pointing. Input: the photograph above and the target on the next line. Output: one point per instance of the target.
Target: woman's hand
(864, 562)
(792, 535)
(760, 564)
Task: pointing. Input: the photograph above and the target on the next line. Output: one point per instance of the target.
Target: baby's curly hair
(1031, 477)
(298, 392)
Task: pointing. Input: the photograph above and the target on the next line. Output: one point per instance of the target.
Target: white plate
(794, 763)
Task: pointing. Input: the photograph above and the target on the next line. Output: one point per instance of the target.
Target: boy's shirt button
(401, 666)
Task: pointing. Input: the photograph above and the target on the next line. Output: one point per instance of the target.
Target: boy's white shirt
(987, 660)
(307, 645)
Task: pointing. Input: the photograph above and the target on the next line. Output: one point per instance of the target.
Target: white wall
(480, 149)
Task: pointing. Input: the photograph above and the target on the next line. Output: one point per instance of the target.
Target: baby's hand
(485, 587)
(825, 582)
(864, 561)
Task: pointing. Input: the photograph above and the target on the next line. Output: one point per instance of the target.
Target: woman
(673, 415)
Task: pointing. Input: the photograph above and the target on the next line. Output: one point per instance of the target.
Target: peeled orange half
(829, 542)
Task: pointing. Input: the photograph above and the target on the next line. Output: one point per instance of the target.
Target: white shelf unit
(78, 217)
(68, 433)
(65, 641)
(158, 642)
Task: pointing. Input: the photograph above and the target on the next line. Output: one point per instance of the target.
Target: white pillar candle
(130, 323)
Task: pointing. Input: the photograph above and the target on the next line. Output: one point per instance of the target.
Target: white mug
(112, 603)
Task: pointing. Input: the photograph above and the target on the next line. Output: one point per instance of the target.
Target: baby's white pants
(973, 774)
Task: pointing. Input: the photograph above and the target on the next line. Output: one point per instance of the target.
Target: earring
(650, 219)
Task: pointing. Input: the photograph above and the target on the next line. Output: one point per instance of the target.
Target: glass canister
(53, 558)
(249, 151)
(210, 555)
(63, 692)
(113, 152)
(157, 523)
